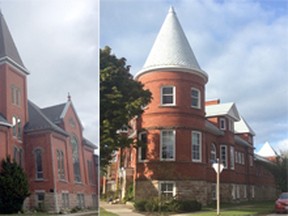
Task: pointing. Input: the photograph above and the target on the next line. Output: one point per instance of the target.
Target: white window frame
(231, 125)
(37, 201)
(251, 160)
(226, 156)
(173, 96)
(222, 123)
(198, 98)
(198, 145)
(140, 148)
(243, 158)
(232, 159)
(166, 192)
(173, 145)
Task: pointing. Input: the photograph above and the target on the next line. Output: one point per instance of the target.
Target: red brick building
(47, 142)
(182, 134)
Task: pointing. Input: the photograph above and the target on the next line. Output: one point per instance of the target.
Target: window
(94, 200)
(168, 95)
(238, 191)
(81, 201)
(38, 164)
(16, 96)
(222, 123)
(196, 146)
(231, 125)
(232, 161)
(167, 190)
(18, 156)
(223, 155)
(251, 160)
(244, 191)
(14, 125)
(60, 162)
(75, 159)
(17, 127)
(252, 188)
(243, 158)
(233, 191)
(236, 157)
(213, 153)
(167, 150)
(195, 98)
(142, 151)
(40, 198)
(239, 158)
(65, 200)
(213, 191)
(90, 171)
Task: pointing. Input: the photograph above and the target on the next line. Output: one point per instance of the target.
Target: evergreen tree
(121, 99)
(14, 187)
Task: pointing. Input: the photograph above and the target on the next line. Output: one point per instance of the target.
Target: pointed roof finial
(171, 9)
(69, 96)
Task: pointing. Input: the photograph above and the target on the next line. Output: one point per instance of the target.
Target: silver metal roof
(171, 50)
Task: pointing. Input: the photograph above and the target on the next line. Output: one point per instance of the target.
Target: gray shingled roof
(39, 121)
(8, 50)
(89, 143)
(54, 112)
(4, 122)
(171, 50)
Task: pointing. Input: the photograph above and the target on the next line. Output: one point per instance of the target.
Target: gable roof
(38, 121)
(225, 109)
(243, 127)
(57, 113)
(8, 50)
(267, 151)
(171, 50)
(54, 112)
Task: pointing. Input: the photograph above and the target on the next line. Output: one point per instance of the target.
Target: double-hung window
(196, 146)
(142, 150)
(167, 150)
(168, 95)
(213, 153)
(222, 123)
(223, 155)
(167, 190)
(232, 159)
(195, 98)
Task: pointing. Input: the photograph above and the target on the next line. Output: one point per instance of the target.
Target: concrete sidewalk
(119, 209)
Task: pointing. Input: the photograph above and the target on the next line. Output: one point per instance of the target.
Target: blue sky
(241, 44)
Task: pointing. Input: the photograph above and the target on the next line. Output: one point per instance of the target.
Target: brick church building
(182, 134)
(47, 142)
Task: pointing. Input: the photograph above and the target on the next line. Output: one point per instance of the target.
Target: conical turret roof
(8, 50)
(171, 50)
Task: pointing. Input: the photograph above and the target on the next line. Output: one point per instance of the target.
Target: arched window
(213, 155)
(75, 159)
(60, 162)
(38, 164)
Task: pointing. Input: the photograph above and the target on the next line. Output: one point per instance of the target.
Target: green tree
(279, 169)
(14, 187)
(121, 99)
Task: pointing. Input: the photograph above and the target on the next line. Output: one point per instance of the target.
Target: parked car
(281, 204)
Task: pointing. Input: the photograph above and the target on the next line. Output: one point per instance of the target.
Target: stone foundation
(205, 192)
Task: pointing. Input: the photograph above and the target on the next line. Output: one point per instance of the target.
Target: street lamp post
(218, 169)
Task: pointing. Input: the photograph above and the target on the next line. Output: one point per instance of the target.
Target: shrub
(179, 206)
(14, 187)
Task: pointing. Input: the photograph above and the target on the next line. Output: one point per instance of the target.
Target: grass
(241, 209)
(103, 212)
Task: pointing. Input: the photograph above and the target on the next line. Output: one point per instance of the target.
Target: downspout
(56, 208)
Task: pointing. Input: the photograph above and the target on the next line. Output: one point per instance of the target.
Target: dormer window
(222, 122)
(195, 98)
(168, 95)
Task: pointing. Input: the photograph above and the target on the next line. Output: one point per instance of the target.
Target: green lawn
(105, 213)
(242, 209)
